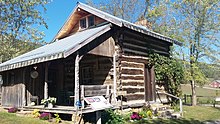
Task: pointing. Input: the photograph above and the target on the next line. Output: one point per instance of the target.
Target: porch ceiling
(56, 50)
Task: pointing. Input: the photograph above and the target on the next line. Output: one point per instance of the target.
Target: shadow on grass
(168, 121)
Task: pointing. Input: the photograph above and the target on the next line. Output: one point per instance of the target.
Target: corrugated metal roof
(120, 22)
(55, 50)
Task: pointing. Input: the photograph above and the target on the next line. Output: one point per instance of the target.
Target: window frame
(87, 21)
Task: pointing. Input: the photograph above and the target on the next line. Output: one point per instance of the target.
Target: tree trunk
(194, 100)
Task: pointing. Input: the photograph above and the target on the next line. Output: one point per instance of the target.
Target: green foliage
(19, 23)
(36, 113)
(57, 117)
(168, 70)
(112, 117)
(12, 118)
(49, 100)
(149, 114)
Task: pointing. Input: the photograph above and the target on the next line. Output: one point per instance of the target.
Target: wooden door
(149, 84)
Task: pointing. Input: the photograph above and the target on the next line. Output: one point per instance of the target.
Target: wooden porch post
(115, 78)
(76, 93)
(152, 79)
(24, 88)
(46, 82)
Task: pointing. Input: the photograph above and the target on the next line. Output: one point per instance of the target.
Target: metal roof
(59, 49)
(120, 22)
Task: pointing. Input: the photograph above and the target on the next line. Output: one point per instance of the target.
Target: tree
(199, 26)
(130, 10)
(19, 22)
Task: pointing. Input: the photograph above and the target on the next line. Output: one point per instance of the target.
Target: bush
(112, 117)
(57, 117)
(12, 110)
(135, 116)
(36, 113)
(45, 116)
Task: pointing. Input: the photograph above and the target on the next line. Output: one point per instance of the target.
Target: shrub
(36, 113)
(112, 117)
(149, 114)
(12, 110)
(135, 116)
(57, 117)
(45, 116)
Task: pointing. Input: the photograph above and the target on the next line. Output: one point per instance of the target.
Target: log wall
(132, 76)
(101, 68)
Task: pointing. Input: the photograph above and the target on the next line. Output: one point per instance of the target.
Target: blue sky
(57, 13)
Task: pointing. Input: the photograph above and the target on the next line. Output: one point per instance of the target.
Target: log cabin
(93, 53)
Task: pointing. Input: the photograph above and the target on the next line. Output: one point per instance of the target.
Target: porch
(59, 109)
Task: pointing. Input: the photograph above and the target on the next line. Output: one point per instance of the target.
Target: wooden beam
(114, 78)
(152, 76)
(46, 81)
(24, 88)
(76, 89)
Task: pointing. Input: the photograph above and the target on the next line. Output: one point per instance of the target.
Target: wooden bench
(217, 99)
(95, 90)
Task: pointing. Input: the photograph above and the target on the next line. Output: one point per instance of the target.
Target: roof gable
(110, 18)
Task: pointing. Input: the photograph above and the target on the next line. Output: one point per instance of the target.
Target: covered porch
(59, 69)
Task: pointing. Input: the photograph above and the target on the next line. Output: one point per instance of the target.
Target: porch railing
(181, 103)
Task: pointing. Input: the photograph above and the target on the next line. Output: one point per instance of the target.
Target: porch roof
(56, 50)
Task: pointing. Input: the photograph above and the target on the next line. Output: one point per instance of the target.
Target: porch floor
(59, 109)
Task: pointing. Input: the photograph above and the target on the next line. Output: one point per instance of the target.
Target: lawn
(192, 115)
(12, 118)
(204, 95)
(201, 113)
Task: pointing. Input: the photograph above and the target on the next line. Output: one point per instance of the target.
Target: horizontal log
(148, 45)
(136, 60)
(123, 77)
(132, 71)
(131, 64)
(121, 93)
(135, 52)
(133, 83)
(133, 90)
(134, 97)
(144, 38)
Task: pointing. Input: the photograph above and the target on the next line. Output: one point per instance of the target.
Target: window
(91, 21)
(83, 23)
(87, 22)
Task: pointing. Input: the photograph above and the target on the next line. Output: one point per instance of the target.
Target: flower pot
(50, 105)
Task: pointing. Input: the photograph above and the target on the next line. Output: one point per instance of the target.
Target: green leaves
(19, 22)
(169, 71)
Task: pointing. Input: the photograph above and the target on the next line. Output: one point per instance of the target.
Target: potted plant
(49, 102)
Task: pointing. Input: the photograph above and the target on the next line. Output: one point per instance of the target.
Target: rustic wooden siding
(132, 76)
(104, 49)
(101, 67)
(138, 44)
(75, 28)
(12, 95)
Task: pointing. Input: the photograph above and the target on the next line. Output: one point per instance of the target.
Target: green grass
(12, 118)
(186, 89)
(208, 95)
(201, 113)
(192, 115)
